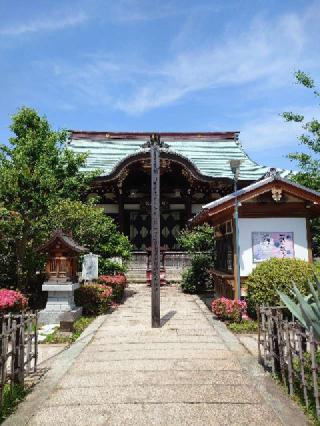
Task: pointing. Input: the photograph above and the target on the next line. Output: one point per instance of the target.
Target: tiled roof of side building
(209, 152)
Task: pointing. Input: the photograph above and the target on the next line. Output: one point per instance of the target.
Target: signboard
(272, 244)
(90, 267)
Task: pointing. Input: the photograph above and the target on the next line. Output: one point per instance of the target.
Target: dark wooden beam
(121, 210)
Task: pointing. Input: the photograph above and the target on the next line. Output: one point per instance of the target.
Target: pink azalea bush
(229, 309)
(95, 299)
(117, 282)
(12, 301)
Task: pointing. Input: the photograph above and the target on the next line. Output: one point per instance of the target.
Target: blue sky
(163, 65)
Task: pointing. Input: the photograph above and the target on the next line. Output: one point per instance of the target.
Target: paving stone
(158, 415)
(117, 378)
(144, 354)
(155, 394)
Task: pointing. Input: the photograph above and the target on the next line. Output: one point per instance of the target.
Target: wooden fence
(290, 351)
(18, 349)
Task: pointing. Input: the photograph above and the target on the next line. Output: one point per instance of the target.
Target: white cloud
(262, 56)
(44, 24)
(271, 132)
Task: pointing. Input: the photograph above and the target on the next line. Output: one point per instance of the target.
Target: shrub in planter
(117, 282)
(228, 309)
(276, 274)
(12, 301)
(95, 299)
(110, 267)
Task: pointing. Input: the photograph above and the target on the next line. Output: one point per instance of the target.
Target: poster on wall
(272, 244)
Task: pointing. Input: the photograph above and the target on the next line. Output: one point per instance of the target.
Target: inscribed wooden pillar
(155, 231)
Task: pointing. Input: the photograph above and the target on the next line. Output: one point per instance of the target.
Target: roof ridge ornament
(272, 172)
(155, 140)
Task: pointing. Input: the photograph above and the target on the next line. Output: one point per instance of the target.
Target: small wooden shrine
(61, 267)
(62, 257)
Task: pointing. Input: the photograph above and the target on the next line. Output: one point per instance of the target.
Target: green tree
(200, 243)
(36, 172)
(308, 161)
(91, 227)
(198, 239)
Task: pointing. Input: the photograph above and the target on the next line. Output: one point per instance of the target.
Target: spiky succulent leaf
(315, 294)
(305, 307)
(293, 307)
(317, 280)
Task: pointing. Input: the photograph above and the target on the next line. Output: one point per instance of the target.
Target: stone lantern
(61, 268)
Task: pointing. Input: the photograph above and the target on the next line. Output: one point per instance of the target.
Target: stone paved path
(181, 374)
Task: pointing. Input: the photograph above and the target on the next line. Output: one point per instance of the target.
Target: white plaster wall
(288, 224)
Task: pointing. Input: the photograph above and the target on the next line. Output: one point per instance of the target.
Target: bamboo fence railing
(290, 351)
(18, 349)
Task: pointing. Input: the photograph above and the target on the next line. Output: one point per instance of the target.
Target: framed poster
(272, 244)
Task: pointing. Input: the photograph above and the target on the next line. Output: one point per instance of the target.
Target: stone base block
(67, 320)
(54, 317)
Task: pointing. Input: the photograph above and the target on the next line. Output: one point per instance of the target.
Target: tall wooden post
(155, 229)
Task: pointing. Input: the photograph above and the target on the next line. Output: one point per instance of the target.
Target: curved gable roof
(209, 152)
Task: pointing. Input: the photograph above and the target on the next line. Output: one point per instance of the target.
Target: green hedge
(273, 275)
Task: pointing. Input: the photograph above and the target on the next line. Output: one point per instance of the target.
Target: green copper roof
(209, 152)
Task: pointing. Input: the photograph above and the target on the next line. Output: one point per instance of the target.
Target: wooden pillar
(309, 240)
(188, 204)
(235, 261)
(155, 229)
(121, 210)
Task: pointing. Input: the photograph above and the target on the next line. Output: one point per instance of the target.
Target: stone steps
(138, 276)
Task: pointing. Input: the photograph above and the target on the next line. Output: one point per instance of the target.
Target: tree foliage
(198, 239)
(41, 183)
(199, 242)
(90, 227)
(308, 161)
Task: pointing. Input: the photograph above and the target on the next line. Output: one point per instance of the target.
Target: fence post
(36, 341)
(276, 338)
(313, 350)
(289, 356)
(13, 354)
(19, 358)
(301, 359)
(259, 335)
(2, 360)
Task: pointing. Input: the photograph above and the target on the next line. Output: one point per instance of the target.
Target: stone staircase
(175, 263)
(138, 276)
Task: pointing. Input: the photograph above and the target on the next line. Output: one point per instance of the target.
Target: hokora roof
(57, 236)
(209, 152)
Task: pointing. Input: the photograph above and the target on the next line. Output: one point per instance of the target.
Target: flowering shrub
(12, 301)
(117, 282)
(95, 299)
(228, 309)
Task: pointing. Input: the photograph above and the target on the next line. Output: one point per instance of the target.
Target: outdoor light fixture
(235, 168)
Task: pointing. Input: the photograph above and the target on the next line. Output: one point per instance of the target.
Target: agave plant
(307, 308)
